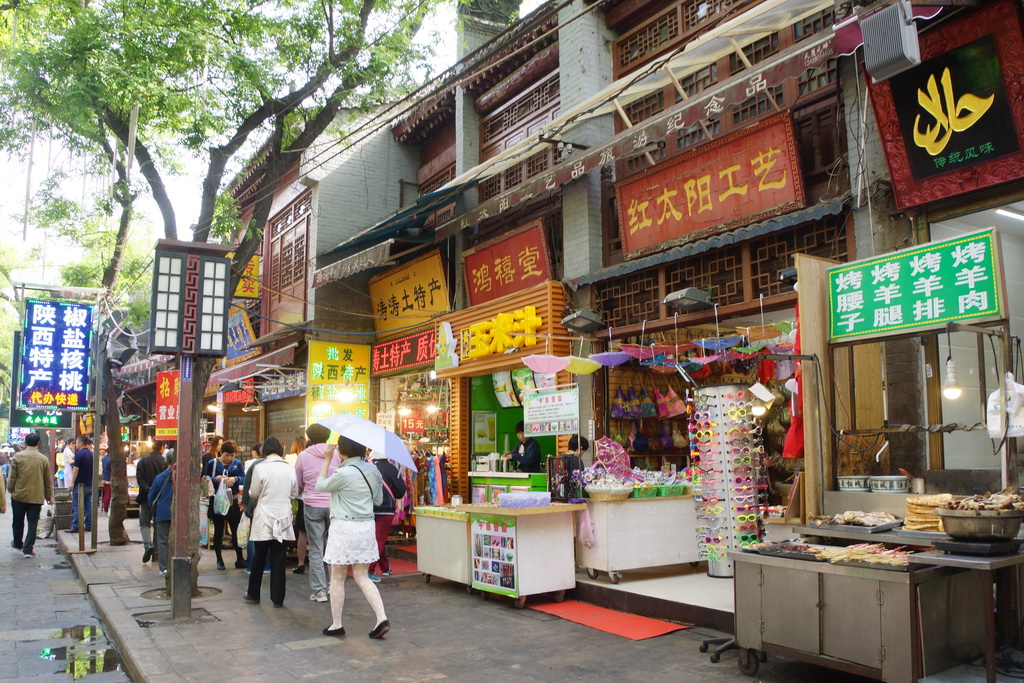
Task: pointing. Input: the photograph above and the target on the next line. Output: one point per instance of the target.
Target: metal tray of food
(873, 565)
(927, 535)
(861, 529)
(793, 552)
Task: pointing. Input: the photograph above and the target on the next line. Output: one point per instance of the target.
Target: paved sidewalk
(439, 631)
(49, 629)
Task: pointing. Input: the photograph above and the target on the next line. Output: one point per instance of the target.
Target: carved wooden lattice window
(699, 80)
(759, 105)
(768, 255)
(631, 299)
(287, 265)
(719, 271)
(645, 107)
(814, 23)
(695, 135)
(659, 32)
(821, 77)
(517, 174)
(756, 52)
(497, 125)
(438, 181)
(697, 11)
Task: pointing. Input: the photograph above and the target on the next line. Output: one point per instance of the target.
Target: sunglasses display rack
(728, 474)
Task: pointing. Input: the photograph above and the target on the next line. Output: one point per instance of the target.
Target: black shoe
(220, 565)
(147, 555)
(15, 545)
(340, 631)
(239, 564)
(249, 598)
(301, 569)
(381, 628)
(278, 604)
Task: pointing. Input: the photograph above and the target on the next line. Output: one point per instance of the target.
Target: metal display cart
(442, 543)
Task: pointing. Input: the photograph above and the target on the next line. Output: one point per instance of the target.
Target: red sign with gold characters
(412, 423)
(167, 404)
(742, 178)
(517, 261)
(404, 353)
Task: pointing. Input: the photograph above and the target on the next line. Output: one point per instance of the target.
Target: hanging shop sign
(410, 294)
(283, 384)
(404, 354)
(515, 330)
(955, 123)
(517, 261)
(56, 355)
(167, 390)
(245, 394)
(666, 126)
(386, 419)
(447, 349)
(413, 423)
(249, 284)
(339, 379)
(551, 411)
(240, 337)
(920, 288)
(33, 419)
(737, 180)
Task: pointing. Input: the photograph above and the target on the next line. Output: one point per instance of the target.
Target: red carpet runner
(617, 623)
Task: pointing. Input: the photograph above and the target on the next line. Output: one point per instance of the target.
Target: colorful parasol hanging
(582, 366)
(637, 351)
(717, 343)
(610, 358)
(546, 364)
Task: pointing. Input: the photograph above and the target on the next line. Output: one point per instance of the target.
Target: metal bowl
(981, 525)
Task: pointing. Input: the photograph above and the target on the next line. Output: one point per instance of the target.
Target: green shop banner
(920, 288)
(552, 411)
(494, 554)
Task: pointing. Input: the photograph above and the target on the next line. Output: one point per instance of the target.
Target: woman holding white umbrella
(355, 487)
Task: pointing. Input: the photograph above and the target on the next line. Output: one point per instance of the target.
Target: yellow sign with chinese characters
(249, 285)
(516, 330)
(409, 295)
(339, 379)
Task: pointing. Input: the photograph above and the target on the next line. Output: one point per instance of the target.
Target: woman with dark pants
(272, 486)
(228, 468)
(384, 514)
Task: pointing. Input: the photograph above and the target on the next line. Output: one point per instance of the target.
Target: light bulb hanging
(950, 386)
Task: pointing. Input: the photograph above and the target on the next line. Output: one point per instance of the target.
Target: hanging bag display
(637, 440)
(633, 405)
(660, 404)
(647, 406)
(619, 405)
(675, 405)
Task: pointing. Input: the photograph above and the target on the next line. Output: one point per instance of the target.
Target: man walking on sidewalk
(146, 472)
(81, 483)
(30, 484)
(159, 499)
(317, 504)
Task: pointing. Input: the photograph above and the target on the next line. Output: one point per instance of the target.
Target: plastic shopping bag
(243, 530)
(222, 500)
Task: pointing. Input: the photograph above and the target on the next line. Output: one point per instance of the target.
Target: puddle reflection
(87, 656)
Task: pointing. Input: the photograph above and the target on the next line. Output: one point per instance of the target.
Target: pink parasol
(637, 351)
(546, 364)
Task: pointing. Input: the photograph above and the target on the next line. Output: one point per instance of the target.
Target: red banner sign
(405, 353)
(515, 262)
(167, 405)
(734, 181)
(412, 424)
(246, 394)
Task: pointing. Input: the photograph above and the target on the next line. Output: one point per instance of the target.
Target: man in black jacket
(145, 472)
(394, 495)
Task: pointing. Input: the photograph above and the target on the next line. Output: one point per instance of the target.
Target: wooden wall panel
(459, 434)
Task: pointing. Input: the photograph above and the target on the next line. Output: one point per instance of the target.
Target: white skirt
(351, 542)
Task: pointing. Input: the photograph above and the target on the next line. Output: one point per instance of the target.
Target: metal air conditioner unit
(890, 41)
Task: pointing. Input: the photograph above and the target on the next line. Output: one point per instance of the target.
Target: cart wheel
(748, 661)
(469, 589)
(426, 577)
(559, 596)
(483, 595)
(703, 647)
(715, 657)
(521, 602)
(614, 576)
(591, 573)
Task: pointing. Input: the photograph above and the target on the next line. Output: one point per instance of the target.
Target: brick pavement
(439, 631)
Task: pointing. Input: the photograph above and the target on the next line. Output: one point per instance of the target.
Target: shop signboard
(386, 419)
(955, 123)
(55, 355)
(516, 261)
(34, 419)
(447, 349)
(552, 411)
(338, 376)
(284, 383)
(736, 180)
(921, 288)
(494, 554)
(245, 394)
(249, 284)
(410, 294)
(513, 330)
(485, 431)
(240, 337)
(413, 423)
(167, 390)
(404, 354)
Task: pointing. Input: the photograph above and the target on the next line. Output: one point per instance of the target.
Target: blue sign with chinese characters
(56, 355)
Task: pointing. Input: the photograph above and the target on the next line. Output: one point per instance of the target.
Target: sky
(183, 190)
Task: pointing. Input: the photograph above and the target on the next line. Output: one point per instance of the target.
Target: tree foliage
(217, 79)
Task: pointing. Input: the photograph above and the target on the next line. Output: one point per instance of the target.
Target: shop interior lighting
(950, 387)
(405, 411)
(431, 409)
(433, 375)
(762, 400)
(213, 408)
(1010, 214)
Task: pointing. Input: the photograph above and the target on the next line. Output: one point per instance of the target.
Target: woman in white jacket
(272, 486)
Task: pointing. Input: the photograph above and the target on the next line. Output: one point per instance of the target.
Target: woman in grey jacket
(355, 487)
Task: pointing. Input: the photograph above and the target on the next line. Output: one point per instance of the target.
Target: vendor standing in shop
(527, 453)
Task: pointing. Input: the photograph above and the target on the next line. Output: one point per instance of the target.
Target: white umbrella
(371, 435)
(7, 448)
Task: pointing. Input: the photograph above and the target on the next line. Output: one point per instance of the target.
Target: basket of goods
(644, 491)
(992, 517)
(609, 491)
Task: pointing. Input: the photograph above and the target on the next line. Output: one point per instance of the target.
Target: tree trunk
(118, 466)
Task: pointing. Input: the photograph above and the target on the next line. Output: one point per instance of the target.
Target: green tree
(218, 79)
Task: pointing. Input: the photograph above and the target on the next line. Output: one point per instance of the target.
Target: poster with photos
(494, 554)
